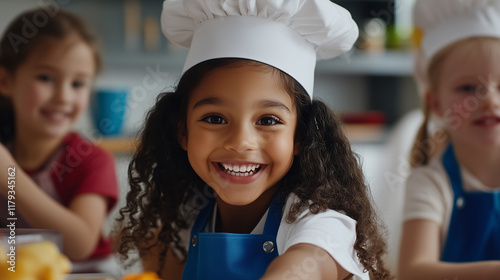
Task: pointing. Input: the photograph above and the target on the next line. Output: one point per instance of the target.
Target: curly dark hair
(326, 172)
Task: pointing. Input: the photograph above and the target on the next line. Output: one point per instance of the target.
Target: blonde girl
(452, 211)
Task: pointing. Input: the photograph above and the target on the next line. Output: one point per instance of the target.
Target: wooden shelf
(365, 132)
(118, 145)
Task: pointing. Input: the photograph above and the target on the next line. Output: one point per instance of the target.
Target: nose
(241, 138)
(62, 93)
(492, 97)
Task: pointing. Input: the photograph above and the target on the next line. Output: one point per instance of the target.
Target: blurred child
(239, 173)
(452, 211)
(62, 181)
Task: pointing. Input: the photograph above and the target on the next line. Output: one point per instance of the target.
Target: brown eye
(44, 78)
(467, 88)
(214, 119)
(269, 120)
(77, 84)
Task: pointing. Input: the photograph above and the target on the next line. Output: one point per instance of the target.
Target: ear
(182, 136)
(5, 82)
(432, 102)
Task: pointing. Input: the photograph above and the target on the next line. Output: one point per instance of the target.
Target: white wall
(9, 9)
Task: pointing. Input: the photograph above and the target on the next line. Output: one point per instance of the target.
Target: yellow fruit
(38, 261)
(148, 275)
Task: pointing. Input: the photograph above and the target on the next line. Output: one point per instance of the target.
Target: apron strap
(203, 216)
(474, 226)
(451, 166)
(271, 226)
(275, 213)
(222, 255)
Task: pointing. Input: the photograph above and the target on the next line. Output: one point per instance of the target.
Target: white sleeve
(428, 194)
(331, 231)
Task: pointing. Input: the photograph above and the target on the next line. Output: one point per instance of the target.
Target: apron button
(460, 202)
(194, 240)
(268, 247)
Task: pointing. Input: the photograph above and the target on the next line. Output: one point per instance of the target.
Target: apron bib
(474, 231)
(218, 255)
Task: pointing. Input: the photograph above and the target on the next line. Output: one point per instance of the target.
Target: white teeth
(243, 170)
(490, 121)
(57, 116)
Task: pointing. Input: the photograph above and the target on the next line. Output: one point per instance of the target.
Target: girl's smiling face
(467, 92)
(240, 135)
(51, 88)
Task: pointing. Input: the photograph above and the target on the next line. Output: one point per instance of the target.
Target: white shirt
(429, 195)
(331, 231)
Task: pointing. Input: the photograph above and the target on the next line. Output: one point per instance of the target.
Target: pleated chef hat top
(287, 34)
(444, 22)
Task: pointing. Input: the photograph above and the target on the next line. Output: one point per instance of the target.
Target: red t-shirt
(77, 167)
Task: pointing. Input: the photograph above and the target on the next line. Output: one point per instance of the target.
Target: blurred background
(371, 86)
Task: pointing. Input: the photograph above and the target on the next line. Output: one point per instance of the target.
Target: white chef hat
(444, 22)
(287, 34)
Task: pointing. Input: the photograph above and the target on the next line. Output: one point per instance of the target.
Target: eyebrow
(56, 70)
(263, 103)
(274, 104)
(207, 101)
(46, 67)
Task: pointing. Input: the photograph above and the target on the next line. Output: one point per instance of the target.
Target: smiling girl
(452, 212)
(239, 173)
(63, 182)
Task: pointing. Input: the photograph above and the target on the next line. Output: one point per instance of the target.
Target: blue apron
(218, 255)
(474, 231)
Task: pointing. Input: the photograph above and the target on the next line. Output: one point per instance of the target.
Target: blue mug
(109, 108)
